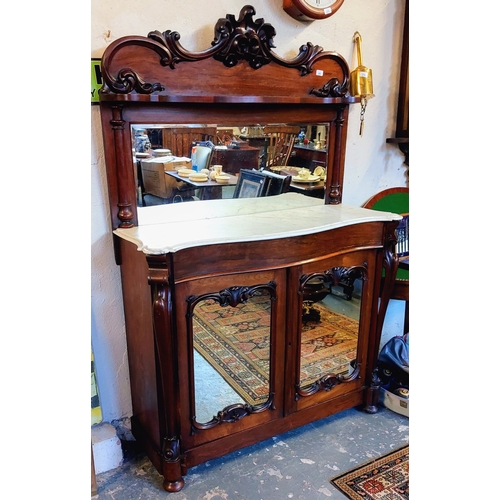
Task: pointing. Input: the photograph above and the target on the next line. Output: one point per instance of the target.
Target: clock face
(320, 4)
(309, 10)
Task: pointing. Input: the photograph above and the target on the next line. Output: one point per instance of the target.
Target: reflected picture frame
(251, 184)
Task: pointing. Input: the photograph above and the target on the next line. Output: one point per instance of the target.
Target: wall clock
(309, 10)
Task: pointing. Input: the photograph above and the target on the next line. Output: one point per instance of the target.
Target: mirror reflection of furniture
(259, 183)
(234, 159)
(158, 188)
(179, 140)
(307, 156)
(224, 136)
(205, 190)
(397, 200)
(204, 154)
(281, 141)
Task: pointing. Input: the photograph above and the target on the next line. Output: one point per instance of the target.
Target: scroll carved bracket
(158, 270)
(332, 88)
(171, 449)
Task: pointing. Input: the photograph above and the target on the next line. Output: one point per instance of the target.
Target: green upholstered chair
(397, 200)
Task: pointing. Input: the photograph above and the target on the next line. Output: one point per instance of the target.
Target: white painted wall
(371, 164)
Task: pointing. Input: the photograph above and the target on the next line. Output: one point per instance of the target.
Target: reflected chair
(203, 160)
(260, 183)
(204, 154)
(224, 136)
(281, 140)
(397, 200)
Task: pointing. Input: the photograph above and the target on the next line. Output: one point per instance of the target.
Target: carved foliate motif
(244, 39)
(233, 413)
(233, 295)
(127, 81)
(336, 275)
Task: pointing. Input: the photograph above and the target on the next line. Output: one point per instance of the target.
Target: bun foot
(173, 486)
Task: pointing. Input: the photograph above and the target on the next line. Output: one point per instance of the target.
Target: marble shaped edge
(150, 239)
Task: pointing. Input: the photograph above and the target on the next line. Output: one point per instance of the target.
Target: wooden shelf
(404, 146)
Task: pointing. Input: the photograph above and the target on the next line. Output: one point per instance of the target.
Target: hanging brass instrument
(361, 81)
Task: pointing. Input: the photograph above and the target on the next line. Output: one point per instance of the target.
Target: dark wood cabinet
(163, 288)
(308, 157)
(233, 160)
(236, 321)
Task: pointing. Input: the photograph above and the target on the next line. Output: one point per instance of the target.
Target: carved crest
(236, 40)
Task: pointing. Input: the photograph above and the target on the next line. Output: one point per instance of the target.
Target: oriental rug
(385, 478)
(235, 341)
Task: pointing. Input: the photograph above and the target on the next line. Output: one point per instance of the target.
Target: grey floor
(295, 465)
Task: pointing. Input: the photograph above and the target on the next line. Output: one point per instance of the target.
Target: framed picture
(95, 80)
(251, 184)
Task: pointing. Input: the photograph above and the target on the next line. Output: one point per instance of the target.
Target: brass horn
(361, 82)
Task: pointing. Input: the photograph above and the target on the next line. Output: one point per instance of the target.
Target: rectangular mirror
(282, 148)
(230, 333)
(331, 308)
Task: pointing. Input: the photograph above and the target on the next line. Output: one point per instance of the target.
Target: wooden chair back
(179, 140)
(224, 136)
(281, 141)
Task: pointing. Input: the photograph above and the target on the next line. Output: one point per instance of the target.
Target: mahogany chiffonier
(237, 326)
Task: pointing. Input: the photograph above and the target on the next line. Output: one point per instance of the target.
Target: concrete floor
(295, 465)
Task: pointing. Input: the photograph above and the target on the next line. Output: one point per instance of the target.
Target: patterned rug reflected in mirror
(235, 341)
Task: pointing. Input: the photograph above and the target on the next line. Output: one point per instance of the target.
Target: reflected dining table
(210, 189)
(314, 189)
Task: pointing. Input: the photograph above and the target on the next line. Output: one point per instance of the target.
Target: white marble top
(173, 227)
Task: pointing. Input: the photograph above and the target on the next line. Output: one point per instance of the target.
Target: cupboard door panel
(231, 333)
(329, 316)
